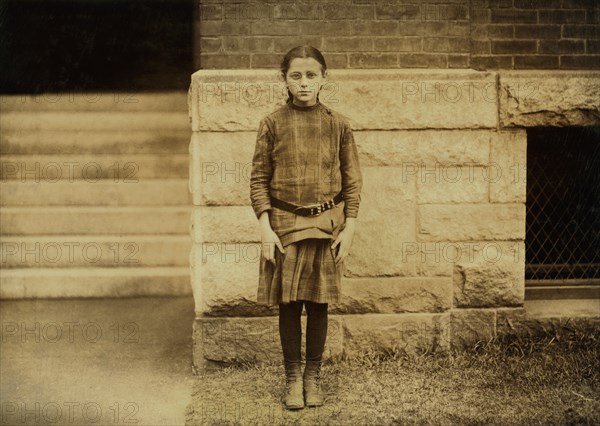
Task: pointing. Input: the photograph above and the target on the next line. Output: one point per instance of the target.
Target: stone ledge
(236, 100)
(549, 98)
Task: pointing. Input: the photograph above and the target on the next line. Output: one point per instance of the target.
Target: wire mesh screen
(563, 208)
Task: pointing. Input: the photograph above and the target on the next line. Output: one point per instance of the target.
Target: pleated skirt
(306, 271)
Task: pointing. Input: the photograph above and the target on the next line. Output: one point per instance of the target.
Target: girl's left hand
(344, 240)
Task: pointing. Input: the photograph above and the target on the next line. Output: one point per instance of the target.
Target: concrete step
(94, 220)
(116, 219)
(27, 142)
(565, 308)
(93, 121)
(126, 168)
(547, 292)
(89, 101)
(151, 192)
(73, 251)
(37, 283)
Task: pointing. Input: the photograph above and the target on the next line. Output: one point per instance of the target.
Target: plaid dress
(304, 155)
(307, 271)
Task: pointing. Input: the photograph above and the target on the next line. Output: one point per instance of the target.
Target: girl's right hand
(269, 240)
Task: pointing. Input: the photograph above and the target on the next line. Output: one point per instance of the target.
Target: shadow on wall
(78, 45)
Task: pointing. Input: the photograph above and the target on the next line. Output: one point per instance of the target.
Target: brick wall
(541, 34)
(479, 34)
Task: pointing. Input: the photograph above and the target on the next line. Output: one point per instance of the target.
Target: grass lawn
(549, 379)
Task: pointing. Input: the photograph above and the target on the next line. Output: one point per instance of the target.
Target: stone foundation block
(549, 98)
(490, 274)
(469, 326)
(413, 333)
(252, 339)
(516, 321)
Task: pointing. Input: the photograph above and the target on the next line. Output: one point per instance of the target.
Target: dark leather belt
(312, 210)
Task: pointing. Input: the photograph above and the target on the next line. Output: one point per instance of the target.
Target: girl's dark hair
(304, 51)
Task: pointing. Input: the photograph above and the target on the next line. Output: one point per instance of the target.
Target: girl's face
(304, 79)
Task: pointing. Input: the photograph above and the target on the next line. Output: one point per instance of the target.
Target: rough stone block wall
(438, 257)
(478, 34)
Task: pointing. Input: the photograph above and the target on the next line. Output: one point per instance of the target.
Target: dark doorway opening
(95, 45)
(563, 206)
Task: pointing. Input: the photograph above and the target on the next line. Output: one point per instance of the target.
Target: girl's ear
(281, 76)
(325, 74)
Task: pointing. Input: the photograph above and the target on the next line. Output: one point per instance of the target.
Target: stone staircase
(94, 195)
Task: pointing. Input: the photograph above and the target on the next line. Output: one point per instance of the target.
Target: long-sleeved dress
(305, 156)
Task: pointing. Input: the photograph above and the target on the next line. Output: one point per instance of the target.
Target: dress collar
(304, 108)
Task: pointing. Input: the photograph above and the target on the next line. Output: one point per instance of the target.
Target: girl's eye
(311, 75)
(295, 76)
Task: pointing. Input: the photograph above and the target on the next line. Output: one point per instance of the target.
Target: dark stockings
(290, 330)
(316, 330)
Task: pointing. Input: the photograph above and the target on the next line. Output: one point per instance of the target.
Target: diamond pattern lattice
(563, 209)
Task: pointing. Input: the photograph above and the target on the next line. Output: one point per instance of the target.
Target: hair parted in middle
(304, 51)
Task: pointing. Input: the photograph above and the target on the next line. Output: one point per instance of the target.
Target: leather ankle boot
(313, 394)
(293, 398)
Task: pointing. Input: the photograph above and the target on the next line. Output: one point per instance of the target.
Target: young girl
(305, 191)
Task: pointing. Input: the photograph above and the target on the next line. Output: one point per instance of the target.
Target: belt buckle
(320, 208)
(317, 209)
(312, 211)
(327, 205)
